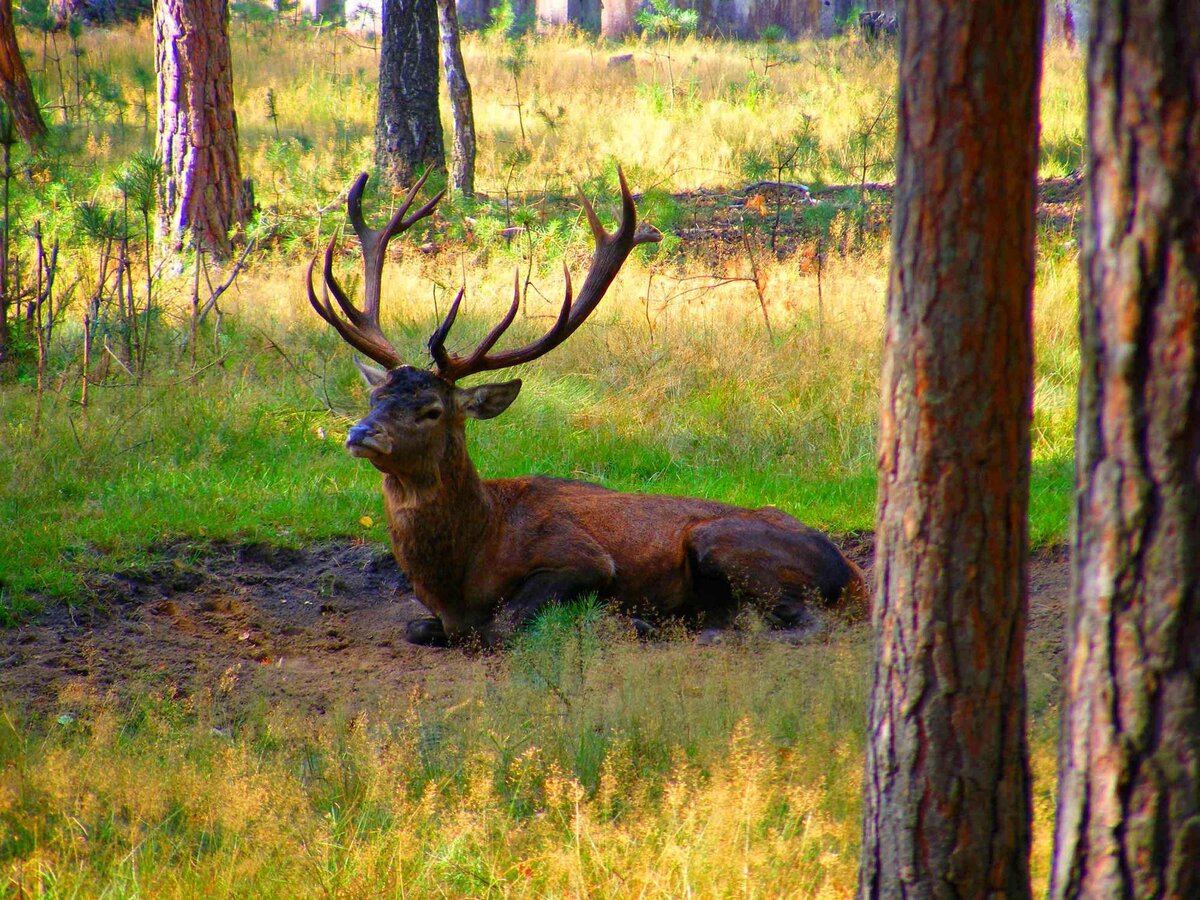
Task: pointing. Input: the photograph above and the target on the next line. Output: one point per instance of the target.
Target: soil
(319, 628)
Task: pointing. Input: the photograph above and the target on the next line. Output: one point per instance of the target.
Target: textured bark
(947, 803)
(202, 195)
(15, 89)
(1129, 749)
(408, 132)
(462, 169)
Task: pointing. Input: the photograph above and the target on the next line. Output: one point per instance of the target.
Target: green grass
(248, 452)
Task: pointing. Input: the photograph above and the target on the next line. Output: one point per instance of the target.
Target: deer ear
(372, 375)
(488, 400)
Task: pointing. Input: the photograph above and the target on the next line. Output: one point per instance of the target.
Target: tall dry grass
(736, 105)
(580, 764)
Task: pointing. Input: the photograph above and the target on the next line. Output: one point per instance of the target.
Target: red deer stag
(485, 556)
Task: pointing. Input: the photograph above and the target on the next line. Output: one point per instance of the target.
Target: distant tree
(408, 130)
(15, 89)
(203, 197)
(617, 18)
(947, 800)
(462, 169)
(1129, 750)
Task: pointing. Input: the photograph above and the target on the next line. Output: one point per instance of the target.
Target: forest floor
(314, 629)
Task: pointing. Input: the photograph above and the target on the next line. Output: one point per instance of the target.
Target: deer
(485, 557)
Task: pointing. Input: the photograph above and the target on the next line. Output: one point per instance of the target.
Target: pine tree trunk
(616, 19)
(462, 170)
(947, 802)
(15, 89)
(1129, 749)
(202, 194)
(408, 132)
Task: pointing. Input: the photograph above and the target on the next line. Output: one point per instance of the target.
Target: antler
(610, 254)
(360, 327)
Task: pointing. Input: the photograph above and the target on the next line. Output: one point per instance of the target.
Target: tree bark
(947, 802)
(408, 132)
(202, 195)
(462, 169)
(617, 18)
(15, 89)
(1129, 747)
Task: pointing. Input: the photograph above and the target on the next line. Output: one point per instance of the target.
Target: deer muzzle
(364, 440)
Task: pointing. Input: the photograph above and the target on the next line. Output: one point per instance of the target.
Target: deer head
(417, 417)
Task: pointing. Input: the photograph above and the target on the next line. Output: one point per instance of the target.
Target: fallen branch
(216, 294)
(776, 186)
(796, 187)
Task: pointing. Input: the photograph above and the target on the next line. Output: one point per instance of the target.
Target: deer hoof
(643, 629)
(427, 632)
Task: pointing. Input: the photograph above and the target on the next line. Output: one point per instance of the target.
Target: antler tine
(312, 295)
(502, 326)
(332, 285)
(437, 340)
(449, 365)
(354, 207)
(423, 211)
(610, 254)
(599, 234)
(360, 328)
(400, 220)
(373, 345)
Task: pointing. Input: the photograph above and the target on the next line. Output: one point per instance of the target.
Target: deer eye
(429, 414)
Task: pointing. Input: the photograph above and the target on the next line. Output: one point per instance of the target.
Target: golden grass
(580, 765)
(579, 113)
(657, 772)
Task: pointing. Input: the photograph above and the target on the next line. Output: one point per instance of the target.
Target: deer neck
(440, 527)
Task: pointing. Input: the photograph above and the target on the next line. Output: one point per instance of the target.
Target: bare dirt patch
(319, 629)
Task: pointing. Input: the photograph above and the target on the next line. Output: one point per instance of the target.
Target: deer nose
(363, 438)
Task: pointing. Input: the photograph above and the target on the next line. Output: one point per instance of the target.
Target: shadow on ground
(319, 628)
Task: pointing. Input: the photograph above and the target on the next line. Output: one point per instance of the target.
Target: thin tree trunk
(1129, 748)
(947, 802)
(8, 298)
(462, 169)
(408, 131)
(15, 89)
(203, 197)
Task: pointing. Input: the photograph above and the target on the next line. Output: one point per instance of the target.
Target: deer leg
(539, 591)
(770, 561)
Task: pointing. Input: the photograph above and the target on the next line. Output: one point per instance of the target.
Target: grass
(707, 405)
(580, 762)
